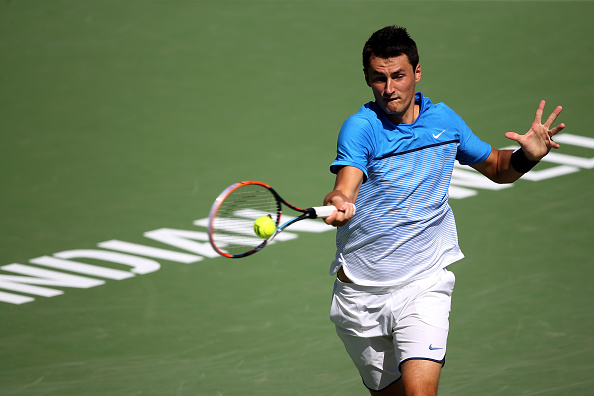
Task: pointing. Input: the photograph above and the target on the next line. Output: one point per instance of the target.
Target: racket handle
(324, 211)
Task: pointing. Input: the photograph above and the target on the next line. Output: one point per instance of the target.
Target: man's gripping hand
(344, 209)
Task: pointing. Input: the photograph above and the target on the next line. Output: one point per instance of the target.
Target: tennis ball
(264, 227)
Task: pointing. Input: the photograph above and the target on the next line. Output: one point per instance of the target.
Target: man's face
(393, 82)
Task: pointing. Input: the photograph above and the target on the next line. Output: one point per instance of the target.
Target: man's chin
(392, 111)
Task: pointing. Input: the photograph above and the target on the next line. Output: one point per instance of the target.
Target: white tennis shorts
(382, 327)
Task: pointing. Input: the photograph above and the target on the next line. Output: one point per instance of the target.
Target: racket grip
(325, 211)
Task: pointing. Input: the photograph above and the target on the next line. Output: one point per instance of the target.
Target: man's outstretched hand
(537, 142)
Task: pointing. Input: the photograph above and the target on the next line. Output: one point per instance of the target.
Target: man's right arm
(346, 188)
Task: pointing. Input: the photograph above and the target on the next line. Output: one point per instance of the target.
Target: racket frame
(309, 213)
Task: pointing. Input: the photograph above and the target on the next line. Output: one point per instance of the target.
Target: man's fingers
(349, 210)
(513, 136)
(557, 129)
(330, 219)
(539, 138)
(341, 216)
(553, 117)
(539, 111)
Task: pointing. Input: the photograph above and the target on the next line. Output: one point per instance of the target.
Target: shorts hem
(442, 361)
(385, 387)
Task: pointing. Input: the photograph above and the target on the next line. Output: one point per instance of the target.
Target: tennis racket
(232, 216)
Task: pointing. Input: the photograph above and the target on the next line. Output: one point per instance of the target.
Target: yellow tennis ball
(264, 227)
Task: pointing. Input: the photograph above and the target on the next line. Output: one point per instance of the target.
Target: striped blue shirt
(404, 228)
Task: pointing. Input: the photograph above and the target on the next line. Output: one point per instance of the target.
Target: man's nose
(390, 86)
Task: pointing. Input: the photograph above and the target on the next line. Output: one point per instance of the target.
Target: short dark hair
(390, 42)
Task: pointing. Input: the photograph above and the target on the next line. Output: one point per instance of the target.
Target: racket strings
(233, 225)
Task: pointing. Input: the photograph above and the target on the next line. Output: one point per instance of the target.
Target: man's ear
(418, 73)
(366, 77)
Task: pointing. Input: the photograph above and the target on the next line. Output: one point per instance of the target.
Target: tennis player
(395, 157)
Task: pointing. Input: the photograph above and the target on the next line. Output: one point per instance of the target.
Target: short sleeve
(471, 150)
(354, 147)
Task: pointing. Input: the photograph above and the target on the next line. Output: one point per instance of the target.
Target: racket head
(232, 216)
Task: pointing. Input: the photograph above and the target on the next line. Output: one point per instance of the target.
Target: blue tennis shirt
(404, 228)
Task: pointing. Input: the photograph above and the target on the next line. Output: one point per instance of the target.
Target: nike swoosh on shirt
(438, 135)
(431, 347)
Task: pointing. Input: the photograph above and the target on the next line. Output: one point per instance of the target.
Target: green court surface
(123, 120)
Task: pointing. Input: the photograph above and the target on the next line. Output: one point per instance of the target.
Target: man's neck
(411, 114)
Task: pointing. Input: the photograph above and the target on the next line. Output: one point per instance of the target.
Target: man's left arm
(507, 166)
